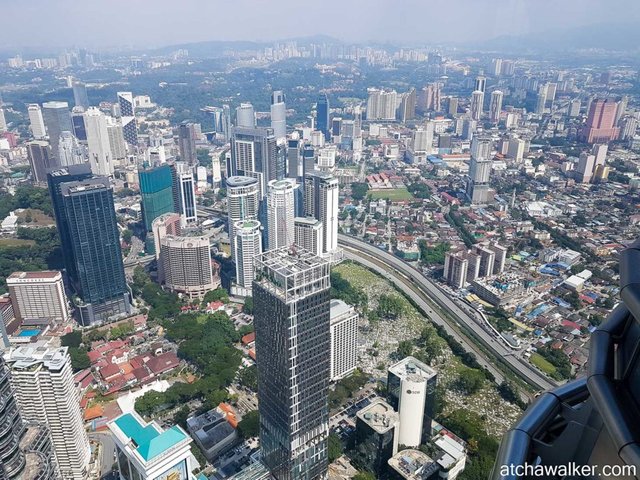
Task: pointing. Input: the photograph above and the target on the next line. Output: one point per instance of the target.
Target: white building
(45, 390)
(281, 213)
(278, 114)
(100, 159)
(309, 234)
(321, 192)
(245, 116)
(327, 159)
(344, 339)
(38, 298)
(186, 190)
(36, 120)
(147, 452)
(247, 244)
(495, 106)
(242, 202)
(477, 104)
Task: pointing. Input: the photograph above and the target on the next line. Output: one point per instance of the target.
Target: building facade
(156, 191)
(38, 298)
(344, 339)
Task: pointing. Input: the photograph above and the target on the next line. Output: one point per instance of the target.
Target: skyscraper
(278, 114)
(70, 152)
(294, 158)
(187, 143)
(38, 298)
(382, 104)
(40, 160)
(254, 153)
(247, 244)
(344, 339)
(600, 126)
(80, 97)
(166, 224)
(407, 110)
(322, 114)
(245, 116)
(309, 234)
(184, 192)
(117, 144)
(477, 104)
(478, 190)
(57, 120)
(321, 202)
(98, 142)
(242, 203)
(156, 191)
(90, 243)
(480, 83)
(280, 213)
(128, 117)
(495, 106)
(3, 121)
(38, 129)
(45, 391)
(541, 99)
(292, 288)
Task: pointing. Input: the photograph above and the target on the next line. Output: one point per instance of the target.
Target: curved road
(421, 289)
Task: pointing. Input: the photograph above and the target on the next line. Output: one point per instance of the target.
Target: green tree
(359, 191)
(71, 339)
(364, 476)
(248, 305)
(217, 295)
(470, 380)
(405, 348)
(335, 447)
(390, 306)
(79, 359)
(126, 235)
(248, 377)
(249, 426)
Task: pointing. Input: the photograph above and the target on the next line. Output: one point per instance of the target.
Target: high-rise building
(407, 110)
(486, 260)
(477, 104)
(430, 98)
(57, 120)
(496, 66)
(254, 153)
(98, 142)
(184, 192)
(294, 158)
(500, 258)
(621, 108)
(187, 143)
(600, 126)
(128, 117)
(144, 451)
(495, 106)
(478, 190)
(90, 243)
(79, 128)
(480, 83)
(309, 234)
(38, 298)
(70, 152)
(242, 202)
(574, 107)
(3, 121)
(117, 145)
(36, 120)
(376, 436)
(452, 105)
(185, 265)
(321, 192)
(411, 390)
(456, 266)
(80, 97)
(586, 167)
(39, 155)
(515, 150)
(156, 192)
(245, 116)
(344, 339)
(166, 224)
(381, 104)
(322, 114)
(281, 213)
(45, 391)
(247, 245)
(292, 288)
(278, 114)
(541, 99)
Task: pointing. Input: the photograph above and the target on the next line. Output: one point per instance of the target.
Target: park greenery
(559, 360)
(249, 426)
(390, 306)
(433, 255)
(162, 304)
(359, 191)
(77, 350)
(343, 290)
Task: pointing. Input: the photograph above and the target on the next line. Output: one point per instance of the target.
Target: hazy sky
(142, 23)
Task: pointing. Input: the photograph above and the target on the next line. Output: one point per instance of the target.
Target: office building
(185, 265)
(477, 105)
(40, 160)
(156, 192)
(456, 266)
(38, 298)
(245, 116)
(117, 145)
(213, 433)
(478, 190)
(166, 224)
(42, 379)
(278, 114)
(321, 202)
(294, 158)
(80, 97)
(242, 203)
(495, 106)
(376, 436)
(344, 339)
(98, 142)
(187, 143)
(247, 244)
(254, 153)
(77, 121)
(411, 390)
(280, 213)
(600, 126)
(90, 242)
(57, 120)
(36, 121)
(326, 161)
(309, 234)
(128, 117)
(184, 192)
(292, 288)
(322, 114)
(144, 451)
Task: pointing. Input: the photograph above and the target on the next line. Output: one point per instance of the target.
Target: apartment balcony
(592, 421)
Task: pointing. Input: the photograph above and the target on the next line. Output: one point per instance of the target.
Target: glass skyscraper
(292, 323)
(322, 114)
(156, 192)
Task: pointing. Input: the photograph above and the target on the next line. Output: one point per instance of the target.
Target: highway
(423, 291)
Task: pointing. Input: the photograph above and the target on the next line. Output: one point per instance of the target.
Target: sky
(153, 23)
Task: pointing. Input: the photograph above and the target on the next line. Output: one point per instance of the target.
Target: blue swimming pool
(29, 333)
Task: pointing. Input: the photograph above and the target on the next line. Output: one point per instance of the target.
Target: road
(108, 453)
(422, 291)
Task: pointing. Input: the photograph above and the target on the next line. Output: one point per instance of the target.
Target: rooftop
(340, 309)
(413, 464)
(411, 368)
(379, 415)
(45, 275)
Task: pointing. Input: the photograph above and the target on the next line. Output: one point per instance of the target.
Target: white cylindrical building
(281, 213)
(245, 116)
(247, 244)
(242, 202)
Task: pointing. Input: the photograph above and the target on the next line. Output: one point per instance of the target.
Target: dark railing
(592, 421)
